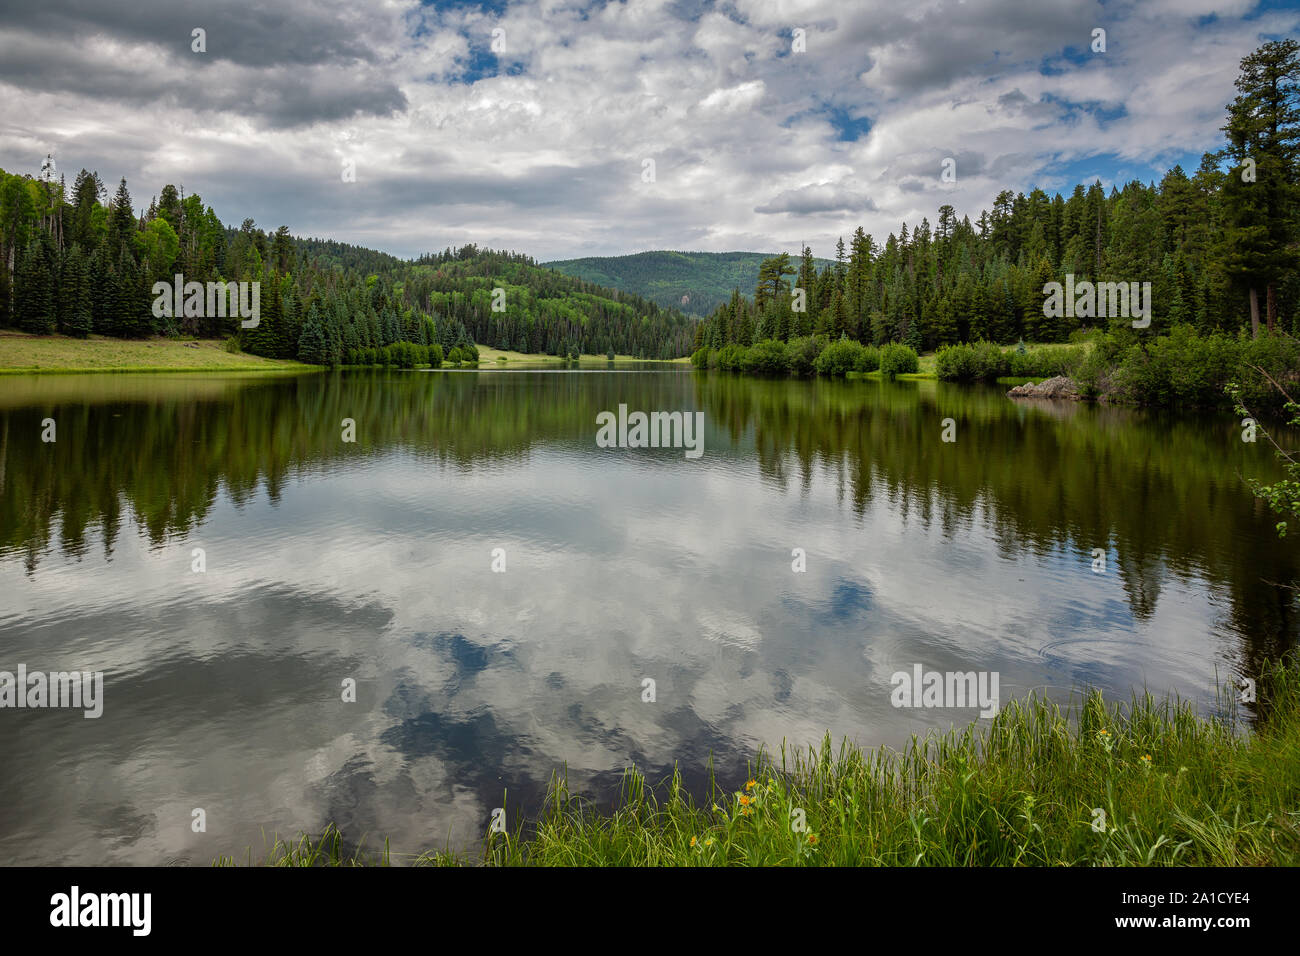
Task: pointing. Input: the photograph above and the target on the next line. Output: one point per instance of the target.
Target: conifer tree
(34, 282)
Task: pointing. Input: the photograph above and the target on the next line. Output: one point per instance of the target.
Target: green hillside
(704, 279)
(83, 263)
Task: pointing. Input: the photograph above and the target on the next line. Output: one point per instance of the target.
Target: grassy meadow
(24, 353)
(57, 353)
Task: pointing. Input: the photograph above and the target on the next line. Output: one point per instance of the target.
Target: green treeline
(1219, 249)
(76, 262)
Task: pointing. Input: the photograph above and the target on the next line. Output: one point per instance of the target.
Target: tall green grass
(1175, 789)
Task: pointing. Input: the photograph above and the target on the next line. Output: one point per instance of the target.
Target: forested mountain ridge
(76, 261)
(695, 282)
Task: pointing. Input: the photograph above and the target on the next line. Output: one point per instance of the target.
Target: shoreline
(24, 354)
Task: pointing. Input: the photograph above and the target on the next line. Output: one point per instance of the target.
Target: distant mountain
(693, 282)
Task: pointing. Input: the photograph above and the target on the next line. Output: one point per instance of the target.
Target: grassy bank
(21, 353)
(1175, 789)
(492, 357)
(58, 353)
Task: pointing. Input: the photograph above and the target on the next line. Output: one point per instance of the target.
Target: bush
(1279, 356)
(454, 357)
(1093, 375)
(1181, 368)
(700, 357)
(731, 358)
(232, 344)
(802, 353)
(1186, 369)
(1045, 363)
(896, 359)
(435, 356)
(955, 363)
(402, 355)
(767, 358)
(868, 360)
(985, 361)
(839, 358)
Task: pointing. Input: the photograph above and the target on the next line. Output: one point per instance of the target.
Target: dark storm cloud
(285, 68)
(949, 42)
(248, 32)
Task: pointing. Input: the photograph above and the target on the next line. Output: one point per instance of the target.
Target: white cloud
(546, 156)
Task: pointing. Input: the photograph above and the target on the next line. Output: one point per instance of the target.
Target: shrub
(839, 358)
(802, 353)
(1186, 369)
(1045, 363)
(232, 344)
(985, 361)
(401, 355)
(1279, 356)
(990, 362)
(896, 359)
(1093, 374)
(435, 356)
(955, 363)
(731, 358)
(868, 360)
(767, 358)
(700, 357)
(959, 363)
(1181, 368)
(454, 357)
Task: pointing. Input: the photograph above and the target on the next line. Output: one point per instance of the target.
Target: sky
(531, 125)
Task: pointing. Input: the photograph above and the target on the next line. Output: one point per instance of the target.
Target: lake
(500, 589)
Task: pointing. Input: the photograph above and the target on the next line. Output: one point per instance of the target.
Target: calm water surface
(373, 561)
